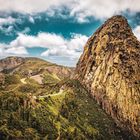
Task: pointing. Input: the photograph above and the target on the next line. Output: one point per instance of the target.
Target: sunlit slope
(68, 112)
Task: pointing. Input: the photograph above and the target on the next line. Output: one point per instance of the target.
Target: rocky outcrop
(61, 71)
(110, 68)
(31, 66)
(10, 63)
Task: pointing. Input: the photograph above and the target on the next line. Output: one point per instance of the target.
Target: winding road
(23, 80)
(51, 95)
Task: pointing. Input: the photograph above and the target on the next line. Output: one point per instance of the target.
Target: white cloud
(81, 19)
(8, 20)
(25, 31)
(80, 9)
(16, 50)
(44, 40)
(31, 19)
(7, 30)
(77, 42)
(103, 8)
(7, 50)
(2, 47)
(56, 46)
(49, 40)
(137, 32)
(30, 6)
(69, 51)
(68, 54)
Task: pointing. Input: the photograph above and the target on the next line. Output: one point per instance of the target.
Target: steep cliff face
(110, 68)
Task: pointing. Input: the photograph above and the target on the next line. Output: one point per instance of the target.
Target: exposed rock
(110, 68)
(10, 63)
(60, 71)
(31, 66)
(37, 78)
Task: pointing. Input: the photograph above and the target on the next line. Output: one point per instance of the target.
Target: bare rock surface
(110, 68)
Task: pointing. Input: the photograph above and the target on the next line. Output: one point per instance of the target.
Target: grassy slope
(58, 109)
(38, 66)
(31, 67)
(70, 114)
(34, 66)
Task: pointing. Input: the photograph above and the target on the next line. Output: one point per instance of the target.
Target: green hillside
(58, 108)
(66, 113)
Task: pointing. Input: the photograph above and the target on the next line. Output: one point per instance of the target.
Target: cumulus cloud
(137, 32)
(81, 9)
(44, 40)
(69, 54)
(7, 20)
(103, 8)
(16, 50)
(7, 30)
(25, 31)
(30, 6)
(69, 51)
(56, 45)
(31, 19)
(7, 24)
(7, 50)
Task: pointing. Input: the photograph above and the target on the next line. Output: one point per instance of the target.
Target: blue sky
(57, 30)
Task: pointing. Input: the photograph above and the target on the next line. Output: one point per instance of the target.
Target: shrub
(12, 79)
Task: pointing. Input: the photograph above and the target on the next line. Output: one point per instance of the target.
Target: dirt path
(51, 95)
(23, 80)
(37, 78)
(11, 90)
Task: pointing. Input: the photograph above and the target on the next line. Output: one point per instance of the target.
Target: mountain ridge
(109, 67)
(14, 61)
(32, 65)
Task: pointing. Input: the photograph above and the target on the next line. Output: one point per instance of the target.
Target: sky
(57, 30)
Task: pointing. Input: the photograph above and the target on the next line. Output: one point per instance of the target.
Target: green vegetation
(68, 112)
(50, 79)
(28, 88)
(11, 79)
(58, 109)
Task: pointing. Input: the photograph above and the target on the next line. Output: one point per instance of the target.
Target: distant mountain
(10, 63)
(110, 69)
(32, 66)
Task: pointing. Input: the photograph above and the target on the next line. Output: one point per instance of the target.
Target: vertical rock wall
(110, 69)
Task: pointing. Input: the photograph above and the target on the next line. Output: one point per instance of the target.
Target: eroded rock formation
(10, 63)
(110, 68)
